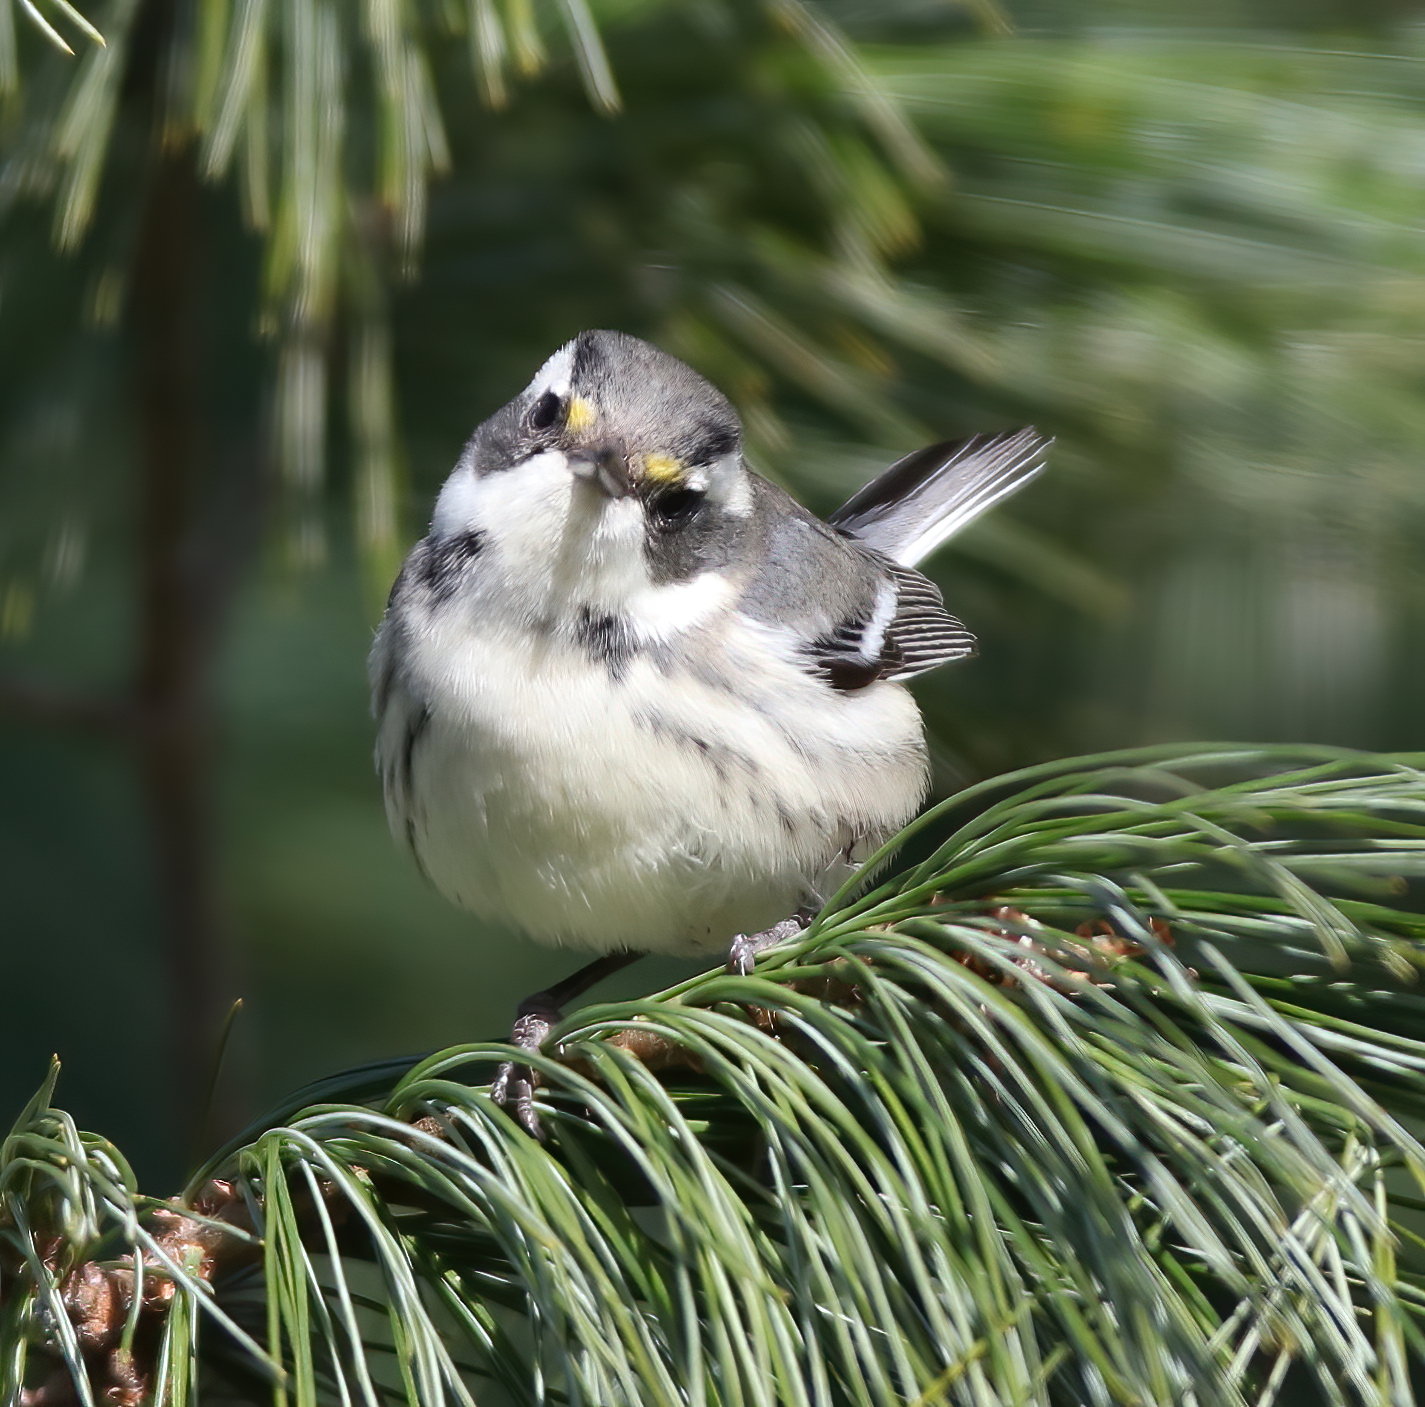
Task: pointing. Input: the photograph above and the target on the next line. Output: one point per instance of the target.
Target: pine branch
(1056, 1106)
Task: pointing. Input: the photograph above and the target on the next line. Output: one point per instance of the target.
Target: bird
(632, 697)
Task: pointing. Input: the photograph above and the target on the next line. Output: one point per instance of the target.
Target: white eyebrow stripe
(730, 470)
(555, 375)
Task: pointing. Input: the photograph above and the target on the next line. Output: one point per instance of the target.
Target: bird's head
(617, 469)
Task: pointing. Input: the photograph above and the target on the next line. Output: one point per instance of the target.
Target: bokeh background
(264, 266)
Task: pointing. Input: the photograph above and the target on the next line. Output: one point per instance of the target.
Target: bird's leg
(515, 1084)
(743, 950)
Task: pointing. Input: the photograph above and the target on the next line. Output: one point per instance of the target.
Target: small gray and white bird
(632, 697)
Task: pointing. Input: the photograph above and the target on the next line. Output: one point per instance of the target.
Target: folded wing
(902, 631)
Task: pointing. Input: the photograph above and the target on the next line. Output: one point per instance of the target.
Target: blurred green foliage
(1186, 242)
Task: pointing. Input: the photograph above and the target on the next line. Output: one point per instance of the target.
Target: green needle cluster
(1113, 1097)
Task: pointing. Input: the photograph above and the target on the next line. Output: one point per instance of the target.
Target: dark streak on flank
(784, 815)
(381, 686)
(443, 562)
(719, 756)
(660, 727)
(415, 852)
(398, 587)
(707, 673)
(607, 639)
(414, 730)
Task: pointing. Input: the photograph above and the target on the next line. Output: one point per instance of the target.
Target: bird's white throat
(561, 542)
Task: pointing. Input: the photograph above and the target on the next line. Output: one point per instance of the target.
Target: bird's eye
(545, 411)
(674, 507)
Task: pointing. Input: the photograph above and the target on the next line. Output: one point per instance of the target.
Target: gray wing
(856, 615)
(910, 509)
(900, 630)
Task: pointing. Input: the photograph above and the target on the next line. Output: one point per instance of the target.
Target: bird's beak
(606, 466)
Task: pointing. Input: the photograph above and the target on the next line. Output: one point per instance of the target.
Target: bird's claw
(515, 1083)
(742, 951)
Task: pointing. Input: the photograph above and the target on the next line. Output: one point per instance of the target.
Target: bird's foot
(742, 952)
(515, 1083)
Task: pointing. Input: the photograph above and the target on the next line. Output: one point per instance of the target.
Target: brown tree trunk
(174, 715)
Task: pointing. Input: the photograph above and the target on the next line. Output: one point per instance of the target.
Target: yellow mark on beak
(581, 414)
(662, 468)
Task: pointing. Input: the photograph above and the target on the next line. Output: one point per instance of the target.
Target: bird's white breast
(666, 805)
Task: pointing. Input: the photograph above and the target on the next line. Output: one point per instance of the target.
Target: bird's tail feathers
(925, 498)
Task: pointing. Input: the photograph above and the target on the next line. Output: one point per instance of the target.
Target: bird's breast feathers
(592, 785)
